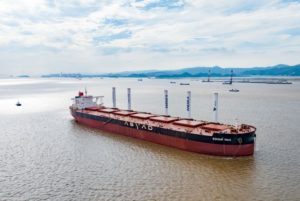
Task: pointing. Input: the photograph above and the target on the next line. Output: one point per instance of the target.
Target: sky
(89, 36)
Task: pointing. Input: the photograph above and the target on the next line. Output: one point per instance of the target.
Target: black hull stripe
(217, 138)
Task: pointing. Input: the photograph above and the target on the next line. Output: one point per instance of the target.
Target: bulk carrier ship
(198, 136)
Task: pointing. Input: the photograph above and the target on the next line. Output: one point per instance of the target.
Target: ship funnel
(114, 97)
(215, 110)
(129, 98)
(188, 104)
(166, 103)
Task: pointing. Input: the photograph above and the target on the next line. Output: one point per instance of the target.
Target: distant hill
(278, 70)
(216, 71)
(23, 76)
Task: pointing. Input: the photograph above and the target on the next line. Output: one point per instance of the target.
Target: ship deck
(192, 126)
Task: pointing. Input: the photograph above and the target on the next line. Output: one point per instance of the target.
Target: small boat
(234, 90)
(182, 83)
(18, 104)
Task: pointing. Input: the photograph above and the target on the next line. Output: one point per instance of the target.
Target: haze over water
(46, 155)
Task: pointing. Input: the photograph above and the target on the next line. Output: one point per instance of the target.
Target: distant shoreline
(278, 71)
(196, 72)
(249, 80)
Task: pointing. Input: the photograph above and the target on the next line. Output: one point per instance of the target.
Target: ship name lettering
(218, 139)
(227, 139)
(137, 126)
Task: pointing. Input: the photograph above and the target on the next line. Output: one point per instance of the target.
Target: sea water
(46, 155)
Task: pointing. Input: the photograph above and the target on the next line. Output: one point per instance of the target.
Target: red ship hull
(184, 144)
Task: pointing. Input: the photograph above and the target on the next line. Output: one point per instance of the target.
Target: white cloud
(89, 36)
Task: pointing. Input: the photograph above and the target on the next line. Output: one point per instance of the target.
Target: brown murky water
(45, 155)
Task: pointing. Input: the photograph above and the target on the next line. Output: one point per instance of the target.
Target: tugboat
(18, 104)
